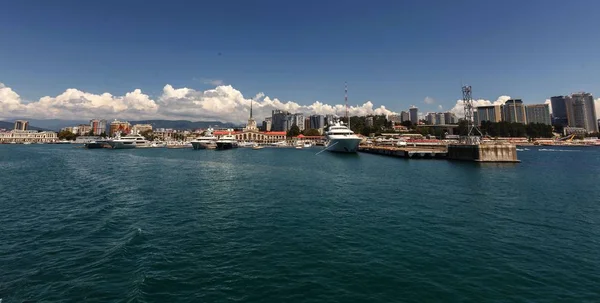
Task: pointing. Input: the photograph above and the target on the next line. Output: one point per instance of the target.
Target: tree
(66, 135)
(103, 135)
(407, 123)
(294, 131)
(90, 133)
(148, 135)
(311, 132)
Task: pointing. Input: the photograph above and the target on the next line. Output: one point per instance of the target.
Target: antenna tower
(346, 102)
(473, 132)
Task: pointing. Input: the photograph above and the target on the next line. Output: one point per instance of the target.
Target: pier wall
(483, 153)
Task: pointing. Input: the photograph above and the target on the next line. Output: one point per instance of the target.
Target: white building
(32, 136)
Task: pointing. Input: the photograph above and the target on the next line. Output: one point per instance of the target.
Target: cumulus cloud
(440, 107)
(429, 100)
(459, 111)
(223, 103)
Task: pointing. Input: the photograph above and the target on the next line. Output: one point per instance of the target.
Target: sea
(288, 225)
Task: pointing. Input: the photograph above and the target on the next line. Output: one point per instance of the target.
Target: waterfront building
(559, 111)
(404, 116)
(306, 123)
(21, 125)
(251, 133)
(414, 115)
(568, 130)
(139, 128)
(513, 110)
(98, 126)
(119, 127)
(369, 121)
(492, 113)
(82, 129)
(30, 136)
(538, 113)
(581, 112)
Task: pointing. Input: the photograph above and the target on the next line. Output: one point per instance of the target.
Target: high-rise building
(440, 118)
(581, 111)
(267, 124)
(82, 129)
(98, 126)
(21, 124)
(369, 121)
(450, 118)
(329, 119)
(404, 116)
(317, 122)
(307, 123)
(559, 110)
(414, 115)
(492, 113)
(279, 120)
(298, 120)
(119, 127)
(538, 113)
(394, 119)
(513, 110)
(430, 117)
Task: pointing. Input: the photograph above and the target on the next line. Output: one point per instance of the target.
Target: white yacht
(341, 139)
(227, 141)
(129, 141)
(208, 141)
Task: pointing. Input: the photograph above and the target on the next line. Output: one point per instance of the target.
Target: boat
(341, 139)
(256, 146)
(298, 147)
(96, 144)
(227, 141)
(307, 145)
(26, 143)
(63, 142)
(129, 141)
(208, 141)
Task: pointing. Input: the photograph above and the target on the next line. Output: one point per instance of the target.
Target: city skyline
(170, 61)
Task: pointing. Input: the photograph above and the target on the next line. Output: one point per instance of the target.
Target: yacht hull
(349, 145)
(121, 145)
(203, 145)
(226, 145)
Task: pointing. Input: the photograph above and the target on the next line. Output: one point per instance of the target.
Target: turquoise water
(286, 225)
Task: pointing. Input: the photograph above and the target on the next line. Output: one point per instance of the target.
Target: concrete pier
(494, 152)
(487, 152)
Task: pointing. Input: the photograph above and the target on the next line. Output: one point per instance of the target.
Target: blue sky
(394, 53)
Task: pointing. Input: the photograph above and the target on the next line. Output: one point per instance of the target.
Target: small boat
(257, 147)
(96, 144)
(307, 145)
(298, 147)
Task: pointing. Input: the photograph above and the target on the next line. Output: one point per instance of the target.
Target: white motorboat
(341, 139)
(208, 141)
(129, 141)
(227, 141)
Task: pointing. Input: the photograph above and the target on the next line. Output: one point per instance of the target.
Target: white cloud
(429, 100)
(215, 82)
(223, 103)
(440, 107)
(459, 111)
